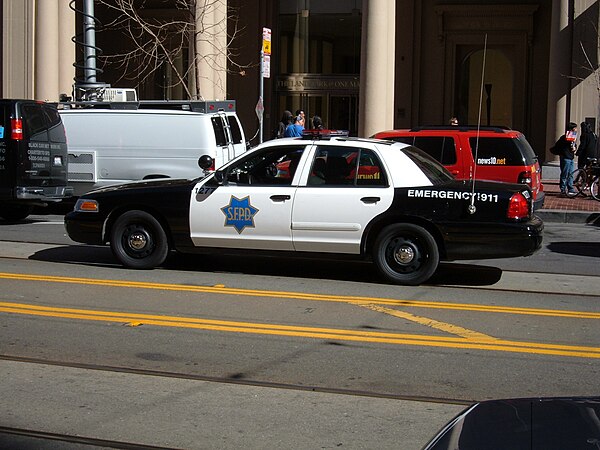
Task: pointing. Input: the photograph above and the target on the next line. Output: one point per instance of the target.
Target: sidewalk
(564, 209)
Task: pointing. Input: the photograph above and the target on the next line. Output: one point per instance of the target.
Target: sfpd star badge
(239, 214)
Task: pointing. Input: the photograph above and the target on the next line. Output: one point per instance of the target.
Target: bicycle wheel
(579, 182)
(594, 188)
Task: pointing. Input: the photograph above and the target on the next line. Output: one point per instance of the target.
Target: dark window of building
(321, 38)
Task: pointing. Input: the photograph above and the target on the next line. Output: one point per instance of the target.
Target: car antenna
(471, 209)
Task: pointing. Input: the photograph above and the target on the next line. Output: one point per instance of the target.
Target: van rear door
(229, 137)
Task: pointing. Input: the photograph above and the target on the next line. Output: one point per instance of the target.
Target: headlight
(86, 205)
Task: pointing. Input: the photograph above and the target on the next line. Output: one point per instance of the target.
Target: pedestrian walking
(300, 113)
(565, 148)
(587, 145)
(294, 129)
(317, 123)
(286, 119)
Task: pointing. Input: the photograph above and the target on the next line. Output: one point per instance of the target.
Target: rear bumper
(43, 193)
(497, 241)
(539, 201)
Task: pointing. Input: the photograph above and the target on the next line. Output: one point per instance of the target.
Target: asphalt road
(228, 351)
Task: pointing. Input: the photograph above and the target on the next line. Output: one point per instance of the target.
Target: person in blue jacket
(294, 129)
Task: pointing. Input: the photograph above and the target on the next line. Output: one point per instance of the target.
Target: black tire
(579, 182)
(14, 213)
(406, 254)
(594, 189)
(138, 240)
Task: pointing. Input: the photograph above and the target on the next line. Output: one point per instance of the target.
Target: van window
(219, 129)
(503, 152)
(440, 148)
(55, 128)
(236, 133)
(34, 124)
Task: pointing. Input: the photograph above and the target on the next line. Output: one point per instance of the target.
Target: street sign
(266, 66)
(266, 41)
(260, 108)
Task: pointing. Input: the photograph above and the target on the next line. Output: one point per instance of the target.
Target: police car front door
(252, 207)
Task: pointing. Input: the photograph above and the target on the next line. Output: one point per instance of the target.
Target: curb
(561, 216)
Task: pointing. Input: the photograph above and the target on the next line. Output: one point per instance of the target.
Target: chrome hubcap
(404, 255)
(137, 241)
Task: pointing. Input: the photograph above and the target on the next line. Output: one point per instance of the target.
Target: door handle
(280, 198)
(370, 199)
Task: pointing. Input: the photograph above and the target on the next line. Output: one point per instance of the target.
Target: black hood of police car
(551, 423)
(143, 185)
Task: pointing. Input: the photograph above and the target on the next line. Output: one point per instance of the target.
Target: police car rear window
(495, 151)
(432, 169)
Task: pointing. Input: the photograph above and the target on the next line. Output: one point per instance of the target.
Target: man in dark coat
(587, 145)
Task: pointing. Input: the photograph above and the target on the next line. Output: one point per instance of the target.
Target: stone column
(17, 48)
(66, 48)
(211, 48)
(46, 50)
(559, 85)
(376, 110)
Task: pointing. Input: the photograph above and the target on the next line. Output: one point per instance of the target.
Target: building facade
(362, 65)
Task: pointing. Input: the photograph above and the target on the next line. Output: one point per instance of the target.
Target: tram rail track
(72, 439)
(236, 381)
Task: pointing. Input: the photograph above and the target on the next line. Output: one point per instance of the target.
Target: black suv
(33, 157)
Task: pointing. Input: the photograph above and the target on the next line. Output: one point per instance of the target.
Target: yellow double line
(489, 344)
(222, 290)
(467, 339)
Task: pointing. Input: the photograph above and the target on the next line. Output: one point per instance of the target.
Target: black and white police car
(320, 193)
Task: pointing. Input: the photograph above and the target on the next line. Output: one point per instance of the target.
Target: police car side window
(270, 167)
(345, 166)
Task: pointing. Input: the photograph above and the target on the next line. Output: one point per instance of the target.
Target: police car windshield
(432, 169)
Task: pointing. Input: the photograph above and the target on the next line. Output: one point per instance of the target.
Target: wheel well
(117, 212)
(375, 228)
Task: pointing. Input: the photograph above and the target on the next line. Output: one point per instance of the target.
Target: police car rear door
(345, 189)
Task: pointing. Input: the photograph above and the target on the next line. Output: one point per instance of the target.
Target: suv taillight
(518, 207)
(16, 126)
(525, 178)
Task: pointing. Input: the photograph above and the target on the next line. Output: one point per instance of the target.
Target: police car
(320, 193)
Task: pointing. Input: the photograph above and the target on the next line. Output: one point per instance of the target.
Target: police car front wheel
(406, 254)
(138, 240)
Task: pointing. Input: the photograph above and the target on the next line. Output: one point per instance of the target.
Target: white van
(115, 143)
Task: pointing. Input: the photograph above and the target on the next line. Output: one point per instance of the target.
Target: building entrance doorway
(337, 111)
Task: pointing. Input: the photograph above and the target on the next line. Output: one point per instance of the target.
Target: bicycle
(587, 178)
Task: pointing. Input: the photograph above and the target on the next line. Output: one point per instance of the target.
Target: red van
(487, 153)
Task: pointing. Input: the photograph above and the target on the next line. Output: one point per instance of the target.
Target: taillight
(16, 126)
(518, 207)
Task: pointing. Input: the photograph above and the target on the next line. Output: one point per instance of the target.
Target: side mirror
(219, 176)
(206, 162)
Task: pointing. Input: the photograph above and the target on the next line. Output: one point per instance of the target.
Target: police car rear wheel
(406, 254)
(138, 240)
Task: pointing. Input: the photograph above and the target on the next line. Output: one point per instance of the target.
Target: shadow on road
(576, 248)
(297, 267)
